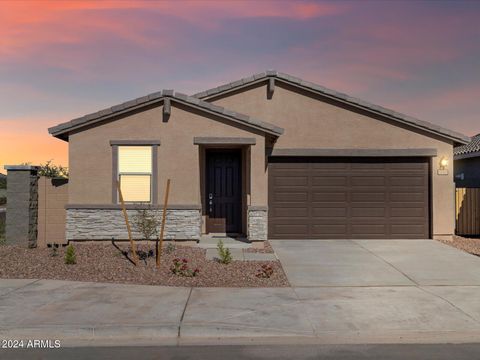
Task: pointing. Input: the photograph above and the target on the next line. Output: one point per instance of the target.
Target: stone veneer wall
(22, 205)
(257, 223)
(105, 224)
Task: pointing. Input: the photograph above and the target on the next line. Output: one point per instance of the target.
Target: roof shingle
(469, 149)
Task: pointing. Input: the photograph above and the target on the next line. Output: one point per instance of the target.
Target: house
(467, 164)
(267, 156)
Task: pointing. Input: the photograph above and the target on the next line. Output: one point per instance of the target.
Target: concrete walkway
(93, 313)
(342, 292)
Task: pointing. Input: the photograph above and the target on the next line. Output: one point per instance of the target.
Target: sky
(63, 59)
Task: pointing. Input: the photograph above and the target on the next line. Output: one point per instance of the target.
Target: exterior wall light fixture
(443, 166)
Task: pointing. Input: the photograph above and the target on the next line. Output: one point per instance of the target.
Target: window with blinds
(135, 173)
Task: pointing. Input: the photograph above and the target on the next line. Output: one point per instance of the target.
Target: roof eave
(63, 130)
(457, 138)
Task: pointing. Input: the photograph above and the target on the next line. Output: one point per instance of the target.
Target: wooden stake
(124, 209)
(164, 216)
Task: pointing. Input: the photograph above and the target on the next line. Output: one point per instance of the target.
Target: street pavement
(265, 352)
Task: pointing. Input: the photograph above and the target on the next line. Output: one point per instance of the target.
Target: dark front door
(223, 191)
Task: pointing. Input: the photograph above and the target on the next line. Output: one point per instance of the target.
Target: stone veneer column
(22, 205)
(257, 223)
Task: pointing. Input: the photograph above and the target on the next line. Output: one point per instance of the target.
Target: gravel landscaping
(105, 263)
(470, 245)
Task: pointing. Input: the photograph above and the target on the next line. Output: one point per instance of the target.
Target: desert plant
(170, 248)
(265, 271)
(54, 250)
(225, 256)
(180, 268)
(70, 256)
(146, 223)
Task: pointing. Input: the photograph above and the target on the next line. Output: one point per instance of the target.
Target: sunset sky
(60, 60)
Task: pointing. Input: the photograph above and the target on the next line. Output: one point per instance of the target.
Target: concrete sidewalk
(96, 313)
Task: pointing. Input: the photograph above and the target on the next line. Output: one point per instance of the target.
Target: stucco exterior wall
(312, 122)
(90, 155)
(52, 198)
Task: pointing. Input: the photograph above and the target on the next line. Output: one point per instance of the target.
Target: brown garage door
(348, 198)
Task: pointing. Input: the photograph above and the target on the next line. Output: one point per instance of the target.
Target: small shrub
(3, 200)
(70, 256)
(265, 271)
(180, 268)
(225, 256)
(146, 223)
(54, 250)
(170, 248)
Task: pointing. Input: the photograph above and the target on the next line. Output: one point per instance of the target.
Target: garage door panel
(373, 196)
(329, 196)
(407, 180)
(348, 198)
(380, 212)
(415, 196)
(289, 197)
(329, 181)
(318, 212)
(407, 212)
(290, 229)
(291, 181)
(369, 229)
(328, 229)
(372, 166)
(290, 212)
(368, 181)
(404, 229)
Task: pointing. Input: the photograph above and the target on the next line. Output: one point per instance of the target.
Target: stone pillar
(257, 220)
(22, 205)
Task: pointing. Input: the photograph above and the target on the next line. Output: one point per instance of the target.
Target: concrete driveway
(375, 263)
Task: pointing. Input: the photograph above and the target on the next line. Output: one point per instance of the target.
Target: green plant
(265, 271)
(180, 268)
(146, 222)
(3, 181)
(3, 200)
(225, 256)
(70, 256)
(50, 170)
(170, 248)
(53, 171)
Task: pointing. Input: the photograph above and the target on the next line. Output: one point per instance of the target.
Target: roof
(318, 89)
(62, 130)
(472, 149)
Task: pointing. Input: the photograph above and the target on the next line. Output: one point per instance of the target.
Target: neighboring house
(270, 156)
(467, 164)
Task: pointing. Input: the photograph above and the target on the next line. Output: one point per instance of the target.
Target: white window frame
(150, 174)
